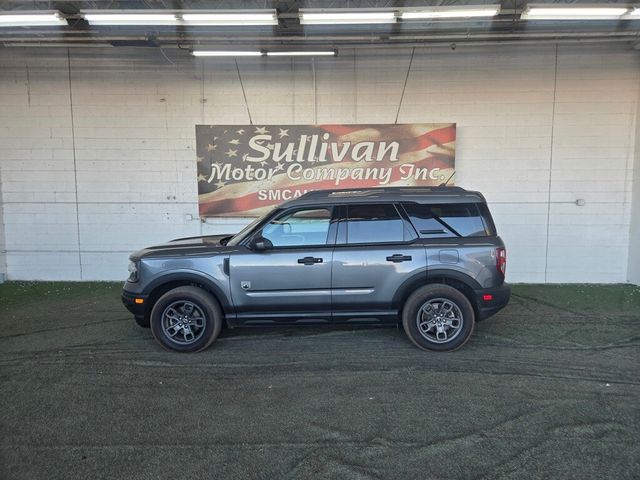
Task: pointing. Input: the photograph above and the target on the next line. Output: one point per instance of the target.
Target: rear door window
(375, 223)
(450, 220)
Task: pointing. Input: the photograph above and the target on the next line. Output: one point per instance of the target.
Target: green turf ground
(548, 388)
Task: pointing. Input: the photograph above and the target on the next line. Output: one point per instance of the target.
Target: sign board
(243, 170)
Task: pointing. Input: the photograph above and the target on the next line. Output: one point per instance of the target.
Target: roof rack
(367, 192)
(436, 194)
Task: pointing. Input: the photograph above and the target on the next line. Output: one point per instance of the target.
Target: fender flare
(195, 277)
(423, 278)
(469, 281)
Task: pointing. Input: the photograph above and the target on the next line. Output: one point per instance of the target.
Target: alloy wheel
(183, 322)
(439, 320)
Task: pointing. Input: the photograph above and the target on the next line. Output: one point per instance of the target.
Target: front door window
(299, 229)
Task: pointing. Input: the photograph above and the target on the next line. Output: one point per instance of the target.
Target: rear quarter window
(450, 220)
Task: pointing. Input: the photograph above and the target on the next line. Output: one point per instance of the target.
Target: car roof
(388, 194)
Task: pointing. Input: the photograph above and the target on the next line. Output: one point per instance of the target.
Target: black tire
(143, 321)
(206, 307)
(436, 293)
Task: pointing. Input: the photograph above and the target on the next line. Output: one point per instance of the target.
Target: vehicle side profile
(428, 257)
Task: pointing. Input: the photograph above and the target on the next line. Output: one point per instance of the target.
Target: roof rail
(365, 192)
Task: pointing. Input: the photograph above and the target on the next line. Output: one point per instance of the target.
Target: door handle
(398, 257)
(309, 260)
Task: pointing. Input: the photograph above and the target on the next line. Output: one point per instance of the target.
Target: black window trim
(331, 234)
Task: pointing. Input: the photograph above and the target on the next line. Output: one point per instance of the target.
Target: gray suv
(427, 257)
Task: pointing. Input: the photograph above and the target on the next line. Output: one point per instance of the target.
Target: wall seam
(203, 99)
(293, 81)
(355, 86)
(315, 91)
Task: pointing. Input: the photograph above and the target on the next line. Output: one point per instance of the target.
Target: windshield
(238, 237)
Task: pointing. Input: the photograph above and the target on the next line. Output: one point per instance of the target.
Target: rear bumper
(489, 301)
(129, 301)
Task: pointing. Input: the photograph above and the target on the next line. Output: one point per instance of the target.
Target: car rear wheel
(186, 319)
(438, 317)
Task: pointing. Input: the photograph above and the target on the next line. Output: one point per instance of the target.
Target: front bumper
(489, 301)
(129, 301)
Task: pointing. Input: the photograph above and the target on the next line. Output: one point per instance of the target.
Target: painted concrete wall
(97, 145)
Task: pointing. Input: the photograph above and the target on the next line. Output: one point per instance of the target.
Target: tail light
(501, 260)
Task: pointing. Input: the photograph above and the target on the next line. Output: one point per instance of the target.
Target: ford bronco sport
(427, 257)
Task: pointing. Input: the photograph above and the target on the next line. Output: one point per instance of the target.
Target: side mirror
(261, 244)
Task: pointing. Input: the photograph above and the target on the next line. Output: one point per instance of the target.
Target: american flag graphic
(243, 170)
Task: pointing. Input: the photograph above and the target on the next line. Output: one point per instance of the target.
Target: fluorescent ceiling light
(257, 53)
(58, 44)
(635, 13)
(466, 11)
(333, 17)
(181, 17)
(301, 53)
(567, 12)
(130, 18)
(230, 18)
(225, 53)
(31, 19)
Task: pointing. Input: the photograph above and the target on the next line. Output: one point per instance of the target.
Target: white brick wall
(98, 153)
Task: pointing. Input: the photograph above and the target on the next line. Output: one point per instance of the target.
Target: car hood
(184, 246)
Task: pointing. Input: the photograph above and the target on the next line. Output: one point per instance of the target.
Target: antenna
(448, 180)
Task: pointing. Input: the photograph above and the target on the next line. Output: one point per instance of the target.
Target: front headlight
(133, 272)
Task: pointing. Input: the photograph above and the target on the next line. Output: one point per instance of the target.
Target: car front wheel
(438, 317)
(186, 319)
